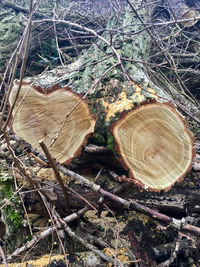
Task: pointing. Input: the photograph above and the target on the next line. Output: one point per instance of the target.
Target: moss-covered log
(153, 140)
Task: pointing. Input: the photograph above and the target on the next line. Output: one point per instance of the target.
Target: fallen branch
(131, 204)
(57, 174)
(87, 245)
(3, 257)
(126, 204)
(46, 233)
(20, 8)
(97, 149)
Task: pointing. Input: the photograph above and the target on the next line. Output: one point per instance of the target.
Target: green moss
(11, 211)
(13, 215)
(6, 189)
(111, 142)
(98, 139)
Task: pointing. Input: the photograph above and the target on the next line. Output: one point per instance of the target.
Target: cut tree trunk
(39, 116)
(155, 144)
(151, 137)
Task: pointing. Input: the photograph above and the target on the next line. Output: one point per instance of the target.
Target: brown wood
(41, 116)
(155, 144)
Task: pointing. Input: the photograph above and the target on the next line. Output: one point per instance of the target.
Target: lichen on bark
(11, 30)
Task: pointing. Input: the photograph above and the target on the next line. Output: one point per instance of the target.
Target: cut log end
(38, 116)
(155, 145)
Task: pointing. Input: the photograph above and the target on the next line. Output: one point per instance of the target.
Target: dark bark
(178, 205)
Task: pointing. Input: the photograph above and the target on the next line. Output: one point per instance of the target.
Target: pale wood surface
(155, 144)
(40, 116)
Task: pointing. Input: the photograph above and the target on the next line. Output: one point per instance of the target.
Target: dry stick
(126, 179)
(3, 257)
(21, 169)
(3, 82)
(22, 201)
(56, 36)
(7, 201)
(51, 215)
(11, 59)
(45, 233)
(87, 245)
(22, 70)
(130, 204)
(125, 203)
(56, 172)
(187, 112)
(160, 48)
(4, 106)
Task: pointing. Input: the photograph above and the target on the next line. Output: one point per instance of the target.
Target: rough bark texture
(122, 89)
(43, 50)
(11, 30)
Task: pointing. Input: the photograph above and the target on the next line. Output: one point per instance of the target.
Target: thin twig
(25, 211)
(56, 172)
(56, 36)
(3, 257)
(53, 214)
(46, 233)
(25, 43)
(20, 168)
